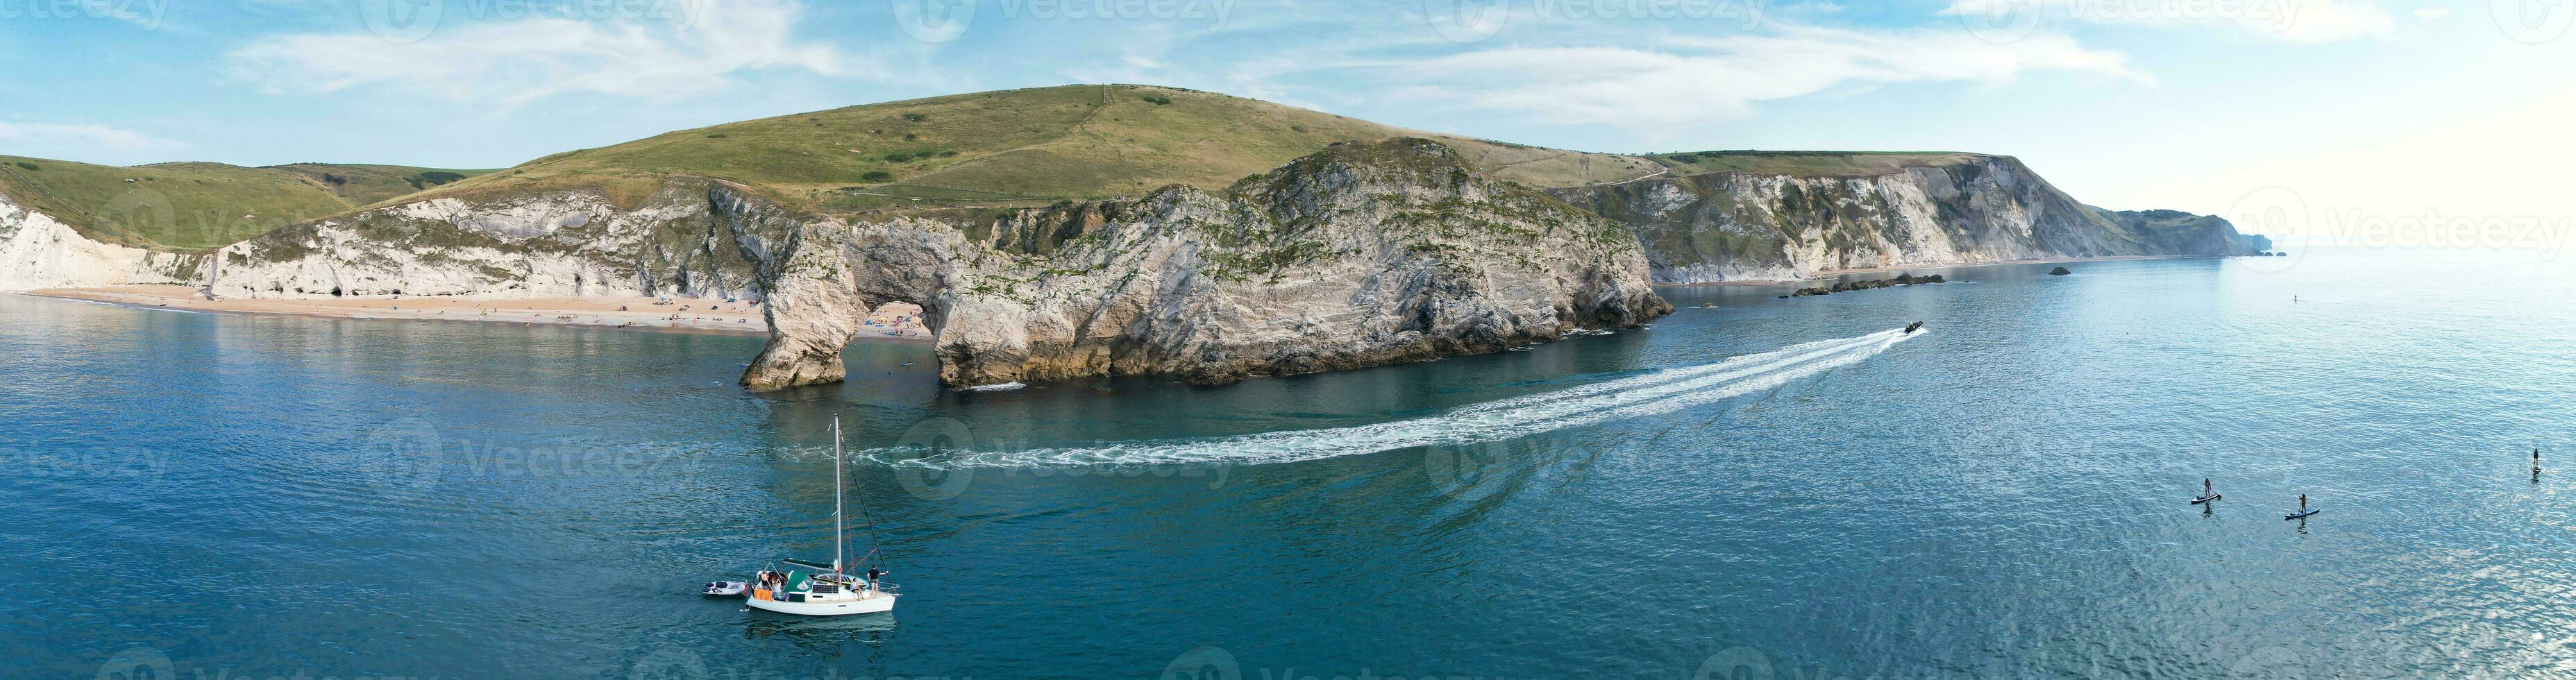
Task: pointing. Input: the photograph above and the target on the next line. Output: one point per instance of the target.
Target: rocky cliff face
(38, 251)
(1362, 255)
(1365, 254)
(1743, 226)
(564, 243)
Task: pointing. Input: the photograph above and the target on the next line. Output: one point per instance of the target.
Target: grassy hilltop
(1013, 147)
(186, 206)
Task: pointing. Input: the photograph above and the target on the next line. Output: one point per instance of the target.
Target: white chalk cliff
(1732, 226)
(1364, 254)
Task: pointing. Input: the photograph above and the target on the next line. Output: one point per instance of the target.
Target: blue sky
(2387, 106)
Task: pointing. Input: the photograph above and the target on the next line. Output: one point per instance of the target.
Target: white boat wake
(1649, 394)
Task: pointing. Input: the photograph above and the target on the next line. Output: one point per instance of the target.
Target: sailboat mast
(839, 540)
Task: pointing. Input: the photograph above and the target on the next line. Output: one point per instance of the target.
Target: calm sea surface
(1753, 485)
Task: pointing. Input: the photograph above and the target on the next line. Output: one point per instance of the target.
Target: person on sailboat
(874, 574)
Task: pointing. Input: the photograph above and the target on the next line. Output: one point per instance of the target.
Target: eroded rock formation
(1365, 254)
(1733, 226)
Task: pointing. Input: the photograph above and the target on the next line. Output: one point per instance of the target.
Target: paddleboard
(2296, 515)
(2205, 499)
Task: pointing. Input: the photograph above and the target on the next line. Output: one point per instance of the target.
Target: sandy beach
(892, 322)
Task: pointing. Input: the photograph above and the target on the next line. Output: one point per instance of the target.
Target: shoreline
(1830, 273)
(623, 312)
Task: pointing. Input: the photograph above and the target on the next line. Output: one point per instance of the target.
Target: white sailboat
(831, 591)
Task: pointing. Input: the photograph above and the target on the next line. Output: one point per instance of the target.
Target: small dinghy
(724, 588)
(2204, 499)
(2303, 514)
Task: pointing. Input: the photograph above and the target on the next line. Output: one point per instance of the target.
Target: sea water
(1751, 485)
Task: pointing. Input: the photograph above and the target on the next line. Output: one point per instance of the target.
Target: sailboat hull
(872, 604)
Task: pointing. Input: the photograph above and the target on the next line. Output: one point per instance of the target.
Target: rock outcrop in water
(1364, 254)
(1967, 209)
(1872, 284)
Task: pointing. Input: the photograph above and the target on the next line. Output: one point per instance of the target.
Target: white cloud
(2300, 21)
(514, 60)
(80, 136)
(1688, 81)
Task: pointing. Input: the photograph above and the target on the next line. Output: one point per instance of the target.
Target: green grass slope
(187, 206)
(1808, 163)
(1014, 147)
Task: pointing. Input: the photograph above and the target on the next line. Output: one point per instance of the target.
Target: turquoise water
(1759, 484)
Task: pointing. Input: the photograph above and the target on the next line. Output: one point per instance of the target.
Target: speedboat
(725, 588)
(1916, 326)
(818, 589)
